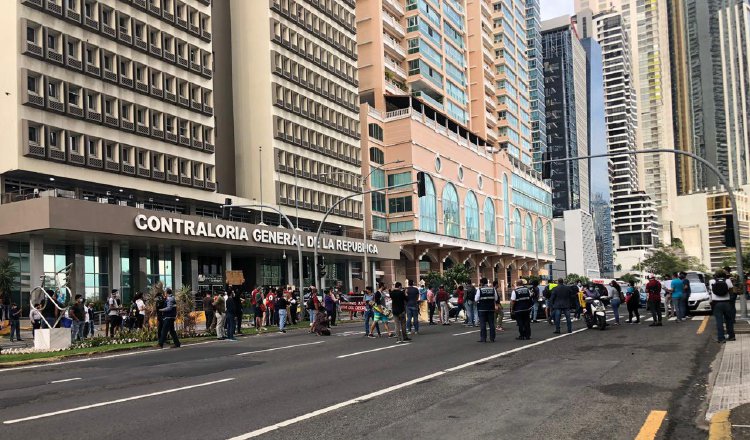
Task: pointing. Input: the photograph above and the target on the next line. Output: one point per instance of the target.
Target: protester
(412, 308)
(633, 299)
(459, 294)
(140, 310)
(685, 293)
(230, 317)
(320, 323)
(442, 300)
(369, 314)
(431, 304)
(282, 303)
(380, 315)
(88, 324)
(170, 314)
(330, 305)
(398, 302)
(486, 298)
(220, 309)
(616, 298)
(653, 290)
(723, 312)
(499, 311)
(259, 309)
(160, 303)
(15, 322)
(561, 300)
(36, 319)
(208, 310)
(77, 314)
(470, 305)
(676, 289)
(520, 309)
(293, 305)
(114, 305)
(239, 303)
(535, 295)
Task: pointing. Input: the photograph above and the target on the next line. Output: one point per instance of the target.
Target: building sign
(178, 226)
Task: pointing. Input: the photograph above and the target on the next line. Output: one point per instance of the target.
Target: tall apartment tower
(715, 33)
(108, 92)
(295, 108)
(647, 25)
(567, 114)
(536, 81)
(482, 89)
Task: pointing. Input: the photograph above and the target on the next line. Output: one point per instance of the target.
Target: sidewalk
(731, 388)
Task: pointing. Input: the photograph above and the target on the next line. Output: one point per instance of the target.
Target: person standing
(330, 305)
(561, 299)
(78, 315)
(15, 322)
(685, 293)
(548, 301)
(617, 299)
(431, 305)
(208, 310)
(220, 310)
(170, 314)
(231, 315)
(459, 294)
(368, 315)
(499, 311)
(442, 300)
(282, 303)
(36, 319)
(535, 294)
(676, 288)
(160, 303)
(140, 307)
(721, 300)
(633, 300)
(520, 309)
(114, 306)
(653, 290)
(293, 305)
(259, 306)
(470, 305)
(398, 304)
(239, 303)
(412, 308)
(486, 299)
(380, 315)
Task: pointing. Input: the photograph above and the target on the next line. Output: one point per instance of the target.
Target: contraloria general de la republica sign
(191, 228)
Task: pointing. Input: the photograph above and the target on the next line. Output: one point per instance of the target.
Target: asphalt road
(589, 384)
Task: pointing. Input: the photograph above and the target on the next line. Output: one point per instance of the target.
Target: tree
(573, 278)
(666, 260)
(185, 306)
(631, 277)
(458, 274)
(8, 277)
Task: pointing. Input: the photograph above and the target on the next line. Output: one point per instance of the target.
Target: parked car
(700, 299)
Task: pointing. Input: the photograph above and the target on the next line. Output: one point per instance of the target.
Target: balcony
(488, 57)
(395, 7)
(394, 47)
(393, 26)
(491, 119)
(429, 100)
(394, 88)
(396, 69)
(490, 102)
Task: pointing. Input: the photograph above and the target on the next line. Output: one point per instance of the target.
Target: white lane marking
(464, 333)
(66, 380)
(278, 348)
(112, 402)
(267, 429)
(349, 333)
(370, 351)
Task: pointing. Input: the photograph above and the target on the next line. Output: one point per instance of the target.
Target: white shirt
(141, 307)
(720, 298)
(86, 313)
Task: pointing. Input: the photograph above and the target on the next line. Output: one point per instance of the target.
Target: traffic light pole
(737, 237)
(330, 209)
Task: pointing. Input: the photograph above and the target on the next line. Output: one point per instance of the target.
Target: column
(194, 271)
(140, 270)
(78, 284)
(289, 270)
(177, 269)
(374, 276)
(115, 265)
(349, 279)
(502, 280)
(36, 260)
(228, 260)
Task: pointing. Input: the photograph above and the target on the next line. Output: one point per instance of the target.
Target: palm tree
(8, 277)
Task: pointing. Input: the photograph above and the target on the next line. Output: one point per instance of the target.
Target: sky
(556, 8)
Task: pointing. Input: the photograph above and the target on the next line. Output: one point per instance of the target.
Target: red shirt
(653, 288)
(460, 295)
(442, 295)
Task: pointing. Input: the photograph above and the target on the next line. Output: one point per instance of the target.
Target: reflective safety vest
(486, 299)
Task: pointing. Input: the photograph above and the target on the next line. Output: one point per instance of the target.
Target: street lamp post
(722, 179)
(363, 183)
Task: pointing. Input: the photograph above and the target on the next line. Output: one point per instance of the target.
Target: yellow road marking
(720, 428)
(703, 326)
(651, 425)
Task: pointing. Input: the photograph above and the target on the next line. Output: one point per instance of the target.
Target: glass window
(159, 268)
(379, 224)
(539, 236)
(529, 233)
(96, 273)
(471, 211)
(428, 207)
(378, 202)
(550, 244)
(489, 221)
(403, 226)
(506, 210)
(399, 179)
(375, 131)
(377, 156)
(377, 178)
(400, 204)
(518, 230)
(451, 220)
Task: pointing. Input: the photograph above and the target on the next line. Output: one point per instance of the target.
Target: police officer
(486, 298)
(520, 308)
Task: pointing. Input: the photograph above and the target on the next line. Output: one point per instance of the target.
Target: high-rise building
(567, 114)
(536, 82)
(486, 207)
(646, 22)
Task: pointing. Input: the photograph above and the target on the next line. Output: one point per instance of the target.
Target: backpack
(720, 288)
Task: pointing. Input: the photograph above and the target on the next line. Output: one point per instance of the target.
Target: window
(53, 138)
(399, 204)
(375, 131)
(378, 202)
(461, 174)
(52, 42)
(31, 34)
(471, 212)
(438, 164)
(489, 221)
(125, 155)
(506, 210)
(517, 230)
(73, 143)
(91, 102)
(110, 152)
(451, 220)
(529, 233)
(32, 84)
(73, 94)
(539, 236)
(91, 147)
(33, 135)
(402, 226)
(52, 90)
(399, 179)
(377, 156)
(379, 224)
(428, 207)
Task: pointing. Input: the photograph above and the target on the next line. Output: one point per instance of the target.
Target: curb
(720, 427)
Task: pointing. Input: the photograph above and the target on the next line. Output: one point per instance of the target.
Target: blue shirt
(677, 288)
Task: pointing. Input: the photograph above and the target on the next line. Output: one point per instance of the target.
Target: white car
(700, 299)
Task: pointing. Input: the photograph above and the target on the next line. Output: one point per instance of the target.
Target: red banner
(357, 306)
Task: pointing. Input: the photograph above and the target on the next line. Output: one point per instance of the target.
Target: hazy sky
(556, 8)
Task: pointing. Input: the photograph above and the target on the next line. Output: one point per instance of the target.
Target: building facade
(567, 114)
(536, 82)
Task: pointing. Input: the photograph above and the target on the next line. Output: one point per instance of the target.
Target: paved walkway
(732, 385)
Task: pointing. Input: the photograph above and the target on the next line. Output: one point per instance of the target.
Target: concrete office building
(647, 25)
(567, 114)
(581, 255)
(114, 162)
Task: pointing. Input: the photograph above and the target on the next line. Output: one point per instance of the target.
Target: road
(442, 385)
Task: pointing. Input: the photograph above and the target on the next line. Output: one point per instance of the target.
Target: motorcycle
(595, 313)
